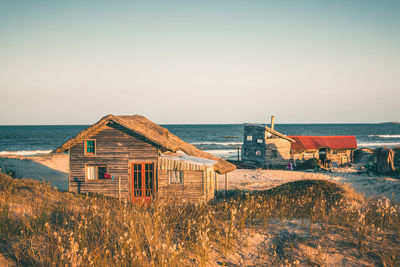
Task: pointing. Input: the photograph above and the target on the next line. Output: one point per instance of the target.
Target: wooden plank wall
(341, 156)
(198, 181)
(191, 189)
(268, 144)
(282, 147)
(249, 148)
(114, 148)
(211, 187)
(171, 164)
(305, 155)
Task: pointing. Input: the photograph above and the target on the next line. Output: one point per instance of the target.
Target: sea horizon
(235, 123)
(218, 139)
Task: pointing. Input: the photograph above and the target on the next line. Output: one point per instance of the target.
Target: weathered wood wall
(250, 148)
(115, 147)
(341, 156)
(265, 145)
(305, 155)
(198, 181)
(191, 189)
(282, 155)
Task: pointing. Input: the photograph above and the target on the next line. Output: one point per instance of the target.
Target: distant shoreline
(391, 122)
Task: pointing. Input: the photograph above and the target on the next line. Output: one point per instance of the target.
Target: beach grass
(40, 226)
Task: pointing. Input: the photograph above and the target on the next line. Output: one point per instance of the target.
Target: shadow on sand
(24, 168)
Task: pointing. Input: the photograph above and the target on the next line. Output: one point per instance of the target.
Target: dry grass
(41, 226)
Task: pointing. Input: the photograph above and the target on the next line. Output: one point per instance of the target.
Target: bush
(10, 172)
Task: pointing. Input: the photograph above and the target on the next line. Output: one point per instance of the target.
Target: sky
(73, 62)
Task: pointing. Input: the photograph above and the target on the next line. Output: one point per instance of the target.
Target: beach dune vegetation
(42, 226)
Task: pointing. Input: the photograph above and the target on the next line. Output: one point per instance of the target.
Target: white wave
(25, 153)
(378, 144)
(218, 143)
(385, 135)
(221, 152)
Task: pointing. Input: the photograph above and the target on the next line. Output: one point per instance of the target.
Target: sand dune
(370, 185)
(50, 168)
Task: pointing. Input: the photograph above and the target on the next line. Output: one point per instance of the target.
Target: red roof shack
(328, 149)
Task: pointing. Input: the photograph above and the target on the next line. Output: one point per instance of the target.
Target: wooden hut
(326, 149)
(133, 158)
(265, 147)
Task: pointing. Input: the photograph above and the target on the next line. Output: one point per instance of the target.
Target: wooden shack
(132, 158)
(326, 149)
(265, 147)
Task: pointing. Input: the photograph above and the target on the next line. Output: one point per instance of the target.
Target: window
(260, 141)
(274, 154)
(90, 147)
(96, 172)
(249, 138)
(245, 151)
(258, 153)
(175, 177)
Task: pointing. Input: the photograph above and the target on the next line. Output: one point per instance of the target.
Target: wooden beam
(69, 169)
(226, 185)
(216, 181)
(119, 188)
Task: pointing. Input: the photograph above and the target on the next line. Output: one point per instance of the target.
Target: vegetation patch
(41, 226)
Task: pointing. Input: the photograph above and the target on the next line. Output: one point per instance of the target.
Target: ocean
(218, 139)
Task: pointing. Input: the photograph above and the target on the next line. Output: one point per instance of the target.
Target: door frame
(143, 198)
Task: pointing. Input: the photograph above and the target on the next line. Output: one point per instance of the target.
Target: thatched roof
(152, 132)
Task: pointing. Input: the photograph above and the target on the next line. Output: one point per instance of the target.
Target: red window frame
(142, 181)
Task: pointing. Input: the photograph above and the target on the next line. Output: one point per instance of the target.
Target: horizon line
(236, 123)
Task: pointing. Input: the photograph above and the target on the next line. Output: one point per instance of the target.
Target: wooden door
(142, 182)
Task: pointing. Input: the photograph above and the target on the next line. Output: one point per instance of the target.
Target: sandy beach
(53, 168)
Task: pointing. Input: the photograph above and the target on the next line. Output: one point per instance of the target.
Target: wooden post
(226, 185)
(204, 176)
(119, 188)
(273, 122)
(216, 181)
(238, 150)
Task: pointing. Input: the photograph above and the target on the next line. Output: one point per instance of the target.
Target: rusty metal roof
(304, 142)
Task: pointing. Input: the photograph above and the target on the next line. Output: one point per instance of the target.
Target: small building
(132, 158)
(265, 147)
(327, 149)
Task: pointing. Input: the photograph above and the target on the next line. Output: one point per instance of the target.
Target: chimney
(272, 122)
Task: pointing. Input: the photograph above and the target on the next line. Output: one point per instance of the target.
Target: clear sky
(72, 62)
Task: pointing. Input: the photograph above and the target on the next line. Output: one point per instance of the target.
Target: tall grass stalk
(41, 226)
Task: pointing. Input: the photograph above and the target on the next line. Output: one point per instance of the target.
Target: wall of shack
(116, 147)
